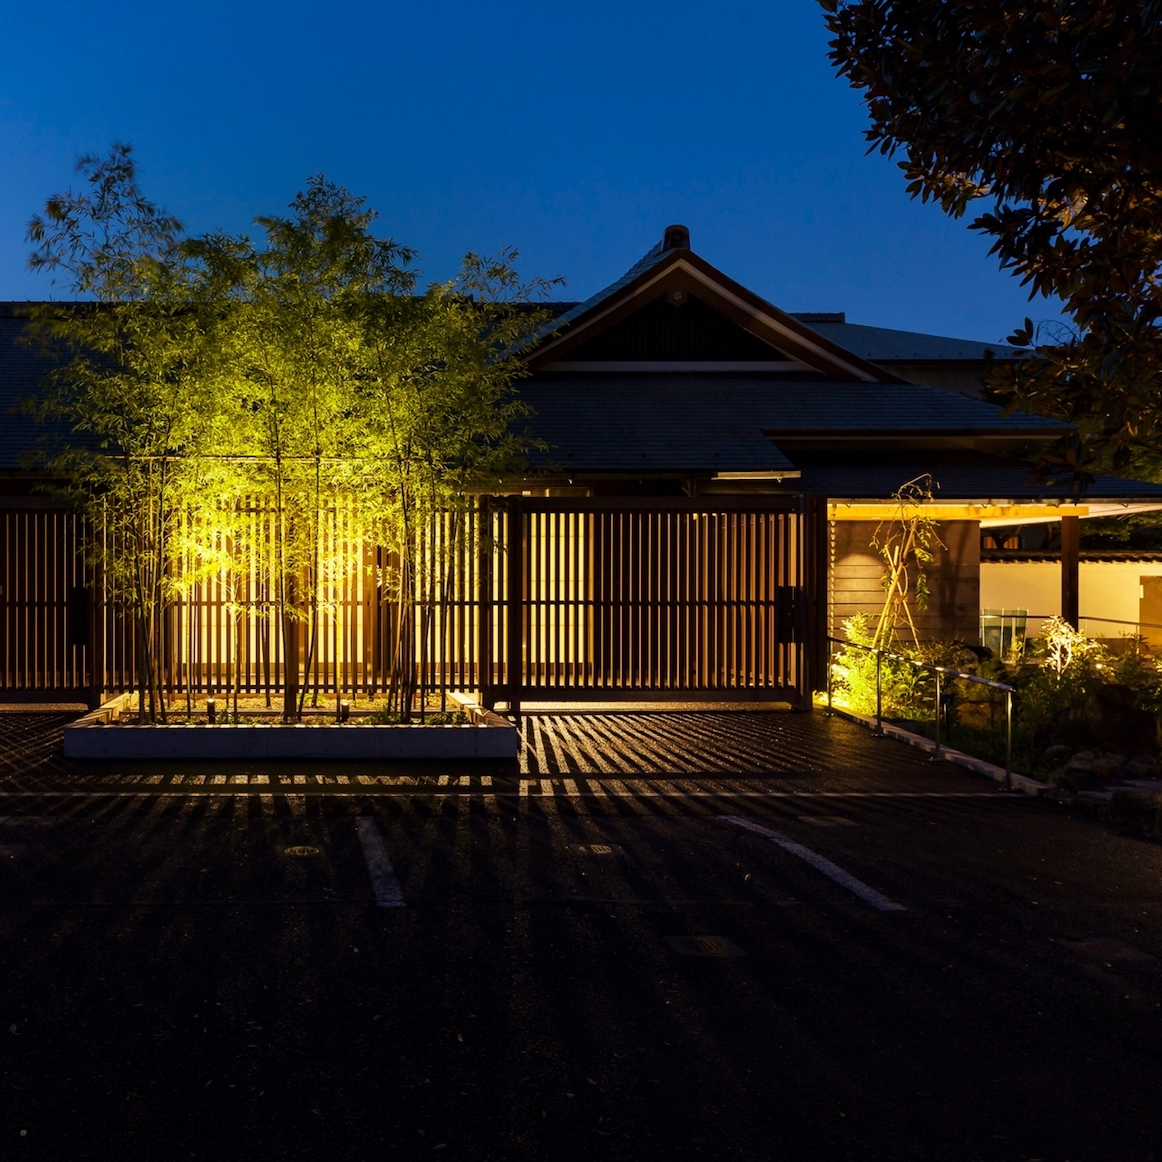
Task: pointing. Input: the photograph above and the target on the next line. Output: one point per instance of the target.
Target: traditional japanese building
(695, 523)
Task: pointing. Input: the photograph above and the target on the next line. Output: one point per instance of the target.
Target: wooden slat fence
(660, 597)
(520, 598)
(45, 599)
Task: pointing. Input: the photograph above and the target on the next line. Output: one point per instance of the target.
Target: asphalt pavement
(749, 936)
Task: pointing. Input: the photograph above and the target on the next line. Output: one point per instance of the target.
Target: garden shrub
(1069, 689)
(907, 692)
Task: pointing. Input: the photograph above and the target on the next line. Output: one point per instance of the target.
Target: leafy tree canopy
(251, 404)
(1052, 111)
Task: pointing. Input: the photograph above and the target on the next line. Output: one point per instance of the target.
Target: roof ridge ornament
(675, 237)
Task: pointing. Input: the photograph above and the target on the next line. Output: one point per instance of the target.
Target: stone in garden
(1060, 751)
(1128, 806)
(1078, 776)
(1114, 721)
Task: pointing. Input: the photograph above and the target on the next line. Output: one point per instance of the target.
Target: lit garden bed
(104, 734)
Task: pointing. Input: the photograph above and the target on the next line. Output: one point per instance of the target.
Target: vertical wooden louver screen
(525, 598)
(46, 603)
(660, 597)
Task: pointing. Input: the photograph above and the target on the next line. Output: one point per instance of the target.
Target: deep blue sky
(576, 132)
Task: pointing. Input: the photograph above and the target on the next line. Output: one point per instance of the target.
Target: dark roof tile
(882, 344)
(23, 366)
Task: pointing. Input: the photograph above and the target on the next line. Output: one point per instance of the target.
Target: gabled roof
(672, 270)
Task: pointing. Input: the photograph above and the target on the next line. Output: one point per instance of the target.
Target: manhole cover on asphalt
(827, 820)
(717, 946)
(302, 849)
(1106, 950)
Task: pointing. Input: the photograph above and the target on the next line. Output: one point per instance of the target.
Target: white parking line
(374, 790)
(388, 893)
(820, 863)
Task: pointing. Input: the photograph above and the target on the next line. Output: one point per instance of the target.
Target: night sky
(574, 131)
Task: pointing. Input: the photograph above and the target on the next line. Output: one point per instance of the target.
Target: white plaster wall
(1109, 589)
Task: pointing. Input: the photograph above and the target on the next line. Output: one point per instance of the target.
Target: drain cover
(302, 849)
(717, 946)
(597, 849)
(827, 820)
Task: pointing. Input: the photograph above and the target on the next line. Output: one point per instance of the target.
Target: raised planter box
(97, 736)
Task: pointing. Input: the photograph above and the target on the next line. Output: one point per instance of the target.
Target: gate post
(485, 548)
(515, 625)
(813, 513)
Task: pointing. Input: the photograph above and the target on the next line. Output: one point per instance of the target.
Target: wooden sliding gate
(652, 598)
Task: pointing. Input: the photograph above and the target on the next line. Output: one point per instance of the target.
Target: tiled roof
(578, 410)
(648, 260)
(607, 428)
(22, 367)
(881, 344)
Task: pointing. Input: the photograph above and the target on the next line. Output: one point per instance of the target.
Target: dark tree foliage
(1050, 110)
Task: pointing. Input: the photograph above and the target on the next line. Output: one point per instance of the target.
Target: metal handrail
(1120, 621)
(1086, 617)
(939, 671)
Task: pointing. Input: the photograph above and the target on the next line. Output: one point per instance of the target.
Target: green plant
(854, 673)
(380, 718)
(1072, 690)
(262, 412)
(906, 544)
(132, 385)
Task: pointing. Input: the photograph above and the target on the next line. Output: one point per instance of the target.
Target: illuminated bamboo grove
(281, 427)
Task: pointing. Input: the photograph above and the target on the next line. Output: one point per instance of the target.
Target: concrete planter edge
(488, 736)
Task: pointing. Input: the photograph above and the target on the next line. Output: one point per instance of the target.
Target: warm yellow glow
(968, 510)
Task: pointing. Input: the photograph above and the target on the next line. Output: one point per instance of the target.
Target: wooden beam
(1070, 552)
(967, 510)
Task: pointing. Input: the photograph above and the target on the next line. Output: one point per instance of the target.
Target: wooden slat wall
(661, 597)
(953, 579)
(224, 631)
(44, 598)
(550, 597)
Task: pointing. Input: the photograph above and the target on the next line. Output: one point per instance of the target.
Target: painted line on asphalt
(820, 863)
(388, 893)
(229, 790)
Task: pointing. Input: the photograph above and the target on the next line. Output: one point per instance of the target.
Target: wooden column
(516, 621)
(485, 547)
(1070, 588)
(815, 568)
